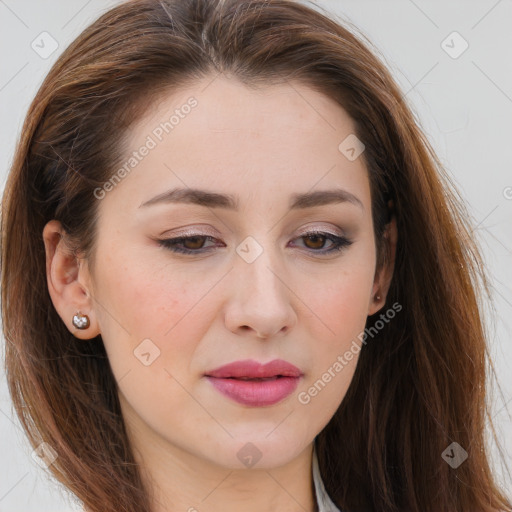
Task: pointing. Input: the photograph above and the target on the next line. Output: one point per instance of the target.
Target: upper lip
(252, 369)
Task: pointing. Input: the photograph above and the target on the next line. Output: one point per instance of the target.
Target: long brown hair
(420, 383)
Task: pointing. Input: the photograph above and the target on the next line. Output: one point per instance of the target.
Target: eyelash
(339, 243)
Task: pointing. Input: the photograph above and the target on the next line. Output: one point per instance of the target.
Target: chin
(261, 451)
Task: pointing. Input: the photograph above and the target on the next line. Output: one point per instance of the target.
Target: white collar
(323, 500)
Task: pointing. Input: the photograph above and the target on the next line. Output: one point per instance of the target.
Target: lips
(251, 383)
(250, 369)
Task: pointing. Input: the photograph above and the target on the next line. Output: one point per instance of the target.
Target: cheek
(339, 302)
(339, 299)
(155, 320)
(341, 311)
(344, 302)
(141, 302)
(146, 294)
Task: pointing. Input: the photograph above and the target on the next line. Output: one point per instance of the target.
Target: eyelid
(195, 231)
(323, 229)
(204, 231)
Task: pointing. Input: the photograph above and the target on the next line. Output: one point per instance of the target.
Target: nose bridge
(260, 298)
(259, 267)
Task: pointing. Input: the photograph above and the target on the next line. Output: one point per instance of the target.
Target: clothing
(323, 500)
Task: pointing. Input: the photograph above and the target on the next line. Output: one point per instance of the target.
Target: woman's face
(255, 284)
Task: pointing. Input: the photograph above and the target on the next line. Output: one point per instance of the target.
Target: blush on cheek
(342, 311)
(142, 303)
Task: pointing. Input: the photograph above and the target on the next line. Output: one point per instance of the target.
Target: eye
(315, 241)
(194, 244)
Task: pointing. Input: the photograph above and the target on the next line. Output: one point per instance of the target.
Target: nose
(261, 300)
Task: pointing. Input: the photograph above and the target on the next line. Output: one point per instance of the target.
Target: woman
(246, 279)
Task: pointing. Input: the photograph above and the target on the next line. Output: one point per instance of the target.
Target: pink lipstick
(251, 383)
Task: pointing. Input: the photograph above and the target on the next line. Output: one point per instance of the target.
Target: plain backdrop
(460, 87)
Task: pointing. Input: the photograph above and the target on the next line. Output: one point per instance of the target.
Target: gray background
(464, 104)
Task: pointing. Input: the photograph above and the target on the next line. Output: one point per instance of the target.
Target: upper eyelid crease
(230, 202)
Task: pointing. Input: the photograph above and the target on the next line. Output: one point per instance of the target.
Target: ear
(384, 274)
(65, 274)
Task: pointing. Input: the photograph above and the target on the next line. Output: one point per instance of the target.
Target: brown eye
(194, 242)
(188, 244)
(313, 241)
(317, 241)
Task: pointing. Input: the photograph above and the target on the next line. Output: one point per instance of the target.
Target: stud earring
(81, 321)
(377, 297)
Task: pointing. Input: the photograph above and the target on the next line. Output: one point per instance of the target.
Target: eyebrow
(230, 202)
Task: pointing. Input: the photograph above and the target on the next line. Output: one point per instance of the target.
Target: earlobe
(63, 273)
(376, 302)
(384, 275)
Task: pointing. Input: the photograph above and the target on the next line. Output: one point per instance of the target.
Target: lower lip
(256, 393)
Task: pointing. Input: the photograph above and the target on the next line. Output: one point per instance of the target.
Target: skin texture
(203, 311)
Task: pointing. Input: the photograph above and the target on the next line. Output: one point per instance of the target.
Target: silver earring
(81, 321)
(377, 297)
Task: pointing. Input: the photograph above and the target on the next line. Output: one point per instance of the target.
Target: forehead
(219, 134)
(227, 109)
